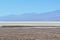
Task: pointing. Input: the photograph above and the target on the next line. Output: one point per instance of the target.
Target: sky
(17, 7)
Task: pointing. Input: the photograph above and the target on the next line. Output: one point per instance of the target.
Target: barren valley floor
(22, 33)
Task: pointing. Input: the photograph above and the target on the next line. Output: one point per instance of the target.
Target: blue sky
(8, 7)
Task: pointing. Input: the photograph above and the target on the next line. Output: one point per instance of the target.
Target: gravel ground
(29, 33)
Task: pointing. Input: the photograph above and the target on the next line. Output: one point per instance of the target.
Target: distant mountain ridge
(49, 16)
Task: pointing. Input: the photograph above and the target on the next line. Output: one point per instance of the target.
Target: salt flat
(30, 23)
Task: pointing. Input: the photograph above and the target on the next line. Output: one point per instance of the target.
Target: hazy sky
(27, 6)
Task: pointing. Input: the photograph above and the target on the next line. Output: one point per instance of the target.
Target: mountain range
(47, 16)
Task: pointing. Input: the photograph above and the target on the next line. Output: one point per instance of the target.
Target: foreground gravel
(29, 33)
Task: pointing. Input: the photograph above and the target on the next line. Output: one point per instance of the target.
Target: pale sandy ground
(29, 33)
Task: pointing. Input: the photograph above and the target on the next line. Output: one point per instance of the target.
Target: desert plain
(29, 33)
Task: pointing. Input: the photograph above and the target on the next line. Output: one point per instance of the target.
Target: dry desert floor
(29, 33)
